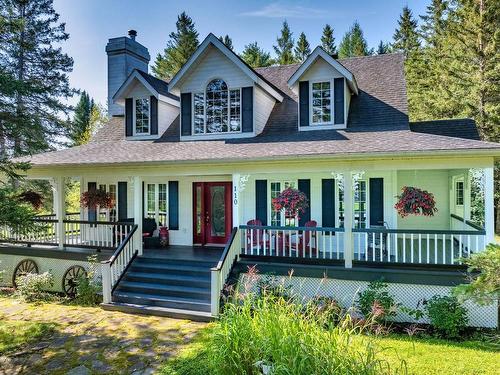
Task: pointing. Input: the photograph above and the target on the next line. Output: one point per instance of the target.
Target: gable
(213, 64)
(320, 69)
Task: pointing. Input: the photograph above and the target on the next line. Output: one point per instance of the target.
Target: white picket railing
(42, 232)
(220, 273)
(113, 269)
(300, 242)
(99, 234)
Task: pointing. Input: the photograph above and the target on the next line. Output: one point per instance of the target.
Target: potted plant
(415, 201)
(96, 197)
(293, 202)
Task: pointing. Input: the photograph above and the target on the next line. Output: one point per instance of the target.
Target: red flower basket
(415, 201)
(96, 197)
(31, 197)
(292, 201)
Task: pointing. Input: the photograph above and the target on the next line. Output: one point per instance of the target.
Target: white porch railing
(221, 271)
(43, 232)
(115, 267)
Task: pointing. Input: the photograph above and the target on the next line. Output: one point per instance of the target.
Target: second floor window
(321, 108)
(217, 110)
(141, 116)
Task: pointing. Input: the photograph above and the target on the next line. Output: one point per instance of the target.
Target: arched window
(218, 110)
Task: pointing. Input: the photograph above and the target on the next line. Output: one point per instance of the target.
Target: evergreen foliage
(79, 129)
(354, 43)
(227, 41)
(328, 41)
(406, 38)
(284, 47)
(182, 44)
(255, 56)
(303, 49)
(34, 76)
(383, 48)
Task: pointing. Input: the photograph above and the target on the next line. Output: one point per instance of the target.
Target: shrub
(329, 308)
(33, 287)
(87, 289)
(376, 303)
(446, 315)
(287, 338)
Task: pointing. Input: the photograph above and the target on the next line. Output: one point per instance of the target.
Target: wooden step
(130, 308)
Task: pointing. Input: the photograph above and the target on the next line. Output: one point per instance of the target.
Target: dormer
(221, 96)
(149, 108)
(324, 88)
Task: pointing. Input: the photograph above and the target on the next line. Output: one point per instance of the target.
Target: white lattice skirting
(346, 291)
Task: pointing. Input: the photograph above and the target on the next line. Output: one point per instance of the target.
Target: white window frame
(157, 212)
(204, 92)
(339, 202)
(460, 180)
(282, 182)
(106, 212)
(135, 114)
(332, 109)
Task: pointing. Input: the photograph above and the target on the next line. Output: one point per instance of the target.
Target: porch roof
(349, 143)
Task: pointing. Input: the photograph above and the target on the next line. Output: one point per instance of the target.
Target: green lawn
(14, 334)
(422, 356)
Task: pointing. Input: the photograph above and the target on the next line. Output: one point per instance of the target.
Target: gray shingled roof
(459, 128)
(158, 84)
(378, 124)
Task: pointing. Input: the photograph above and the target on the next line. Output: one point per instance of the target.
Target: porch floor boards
(45, 251)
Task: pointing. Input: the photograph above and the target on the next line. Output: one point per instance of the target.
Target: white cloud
(277, 10)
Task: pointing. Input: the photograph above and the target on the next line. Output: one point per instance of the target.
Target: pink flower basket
(96, 197)
(292, 201)
(415, 201)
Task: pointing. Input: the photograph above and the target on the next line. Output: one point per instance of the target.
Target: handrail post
(138, 212)
(59, 203)
(215, 292)
(348, 218)
(106, 282)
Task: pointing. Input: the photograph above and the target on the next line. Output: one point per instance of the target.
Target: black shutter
(376, 201)
(129, 113)
(173, 205)
(305, 187)
(261, 201)
(304, 103)
(92, 212)
(247, 109)
(338, 99)
(186, 113)
(328, 202)
(122, 200)
(154, 115)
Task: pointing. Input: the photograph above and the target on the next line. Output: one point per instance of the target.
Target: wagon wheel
(24, 267)
(70, 279)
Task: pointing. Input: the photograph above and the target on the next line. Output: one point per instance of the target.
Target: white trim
(134, 127)
(320, 52)
(332, 107)
(212, 39)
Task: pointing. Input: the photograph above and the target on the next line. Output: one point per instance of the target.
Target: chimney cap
(132, 34)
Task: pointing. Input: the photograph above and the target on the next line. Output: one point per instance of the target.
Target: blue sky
(92, 22)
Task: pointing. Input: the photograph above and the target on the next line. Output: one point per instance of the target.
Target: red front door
(212, 216)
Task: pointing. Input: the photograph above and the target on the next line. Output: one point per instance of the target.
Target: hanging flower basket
(292, 201)
(31, 197)
(96, 197)
(415, 201)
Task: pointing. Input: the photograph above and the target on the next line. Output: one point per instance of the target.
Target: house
(206, 153)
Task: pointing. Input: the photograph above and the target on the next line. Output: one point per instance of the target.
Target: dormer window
(321, 100)
(217, 110)
(141, 116)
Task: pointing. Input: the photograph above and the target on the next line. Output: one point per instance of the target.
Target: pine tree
(284, 49)
(434, 22)
(406, 37)
(255, 56)
(180, 47)
(328, 41)
(302, 50)
(79, 128)
(354, 43)
(383, 48)
(32, 61)
(227, 41)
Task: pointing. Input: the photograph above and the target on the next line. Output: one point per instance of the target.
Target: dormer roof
(155, 86)
(212, 40)
(313, 57)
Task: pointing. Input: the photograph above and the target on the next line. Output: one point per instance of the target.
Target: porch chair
(254, 238)
(304, 241)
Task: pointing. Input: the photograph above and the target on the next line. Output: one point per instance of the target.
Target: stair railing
(221, 271)
(114, 268)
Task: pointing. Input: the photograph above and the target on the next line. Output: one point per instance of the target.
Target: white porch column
(489, 204)
(236, 199)
(138, 214)
(348, 218)
(60, 209)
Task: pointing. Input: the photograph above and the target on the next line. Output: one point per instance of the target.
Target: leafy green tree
(32, 61)
(328, 41)
(255, 56)
(284, 47)
(406, 38)
(383, 48)
(182, 44)
(354, 43)
(227, 41)
(303, 49)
